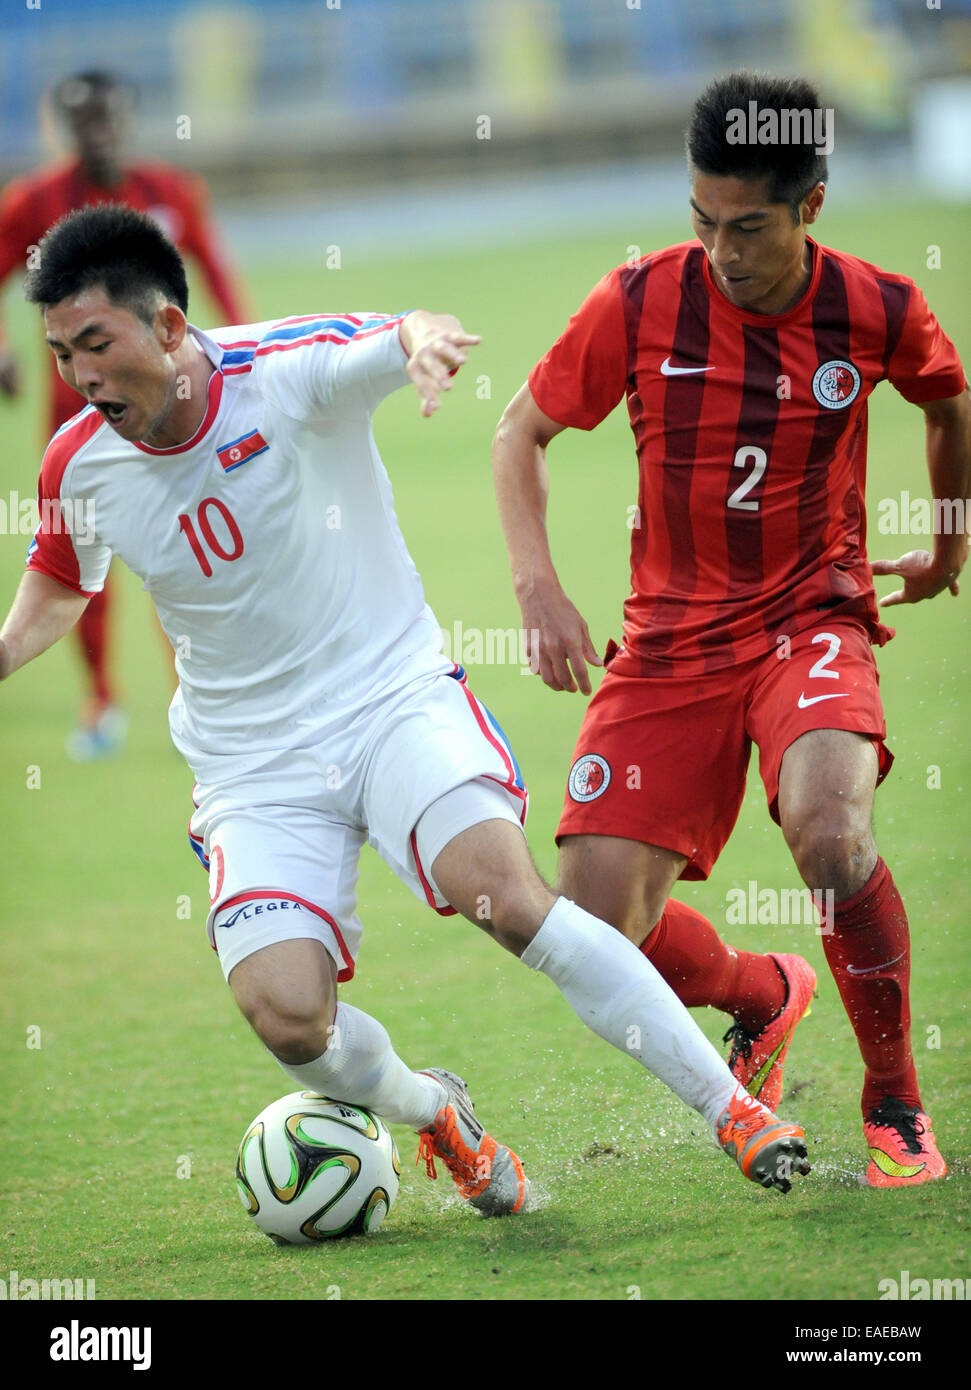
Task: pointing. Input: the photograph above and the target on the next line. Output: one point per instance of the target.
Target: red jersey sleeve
(199, 238)
(925, 365)
(584, 374)
(16, 225)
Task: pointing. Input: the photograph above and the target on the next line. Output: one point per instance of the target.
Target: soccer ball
(310, 1168)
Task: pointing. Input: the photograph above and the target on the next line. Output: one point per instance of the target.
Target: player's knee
(632, 909)
(510, 913)
(624, 884)
(514, 910)
(292, 1037)
(293, 1031)
(287, 992)
(831, 850)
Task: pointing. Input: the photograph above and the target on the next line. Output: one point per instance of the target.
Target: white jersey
(268, 542)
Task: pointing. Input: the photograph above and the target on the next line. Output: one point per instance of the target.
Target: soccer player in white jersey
(236, 473)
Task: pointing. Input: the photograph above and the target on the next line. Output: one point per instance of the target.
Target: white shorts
(405, 774)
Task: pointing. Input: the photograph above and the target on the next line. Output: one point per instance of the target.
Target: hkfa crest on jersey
(836, 384)
(589, 777)
(239, 451)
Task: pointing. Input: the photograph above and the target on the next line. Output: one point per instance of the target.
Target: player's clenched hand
(923, 576)
(558, 640)
(437, 345)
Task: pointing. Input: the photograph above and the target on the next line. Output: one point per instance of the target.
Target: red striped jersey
(750, 432)
(268, 542)
(176, 200)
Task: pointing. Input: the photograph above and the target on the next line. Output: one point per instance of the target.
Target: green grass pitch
(120, 1128)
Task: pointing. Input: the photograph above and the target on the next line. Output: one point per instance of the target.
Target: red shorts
(663, 761)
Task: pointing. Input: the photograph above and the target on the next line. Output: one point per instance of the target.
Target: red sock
(869, 954)
(689, 954)
(92, 630)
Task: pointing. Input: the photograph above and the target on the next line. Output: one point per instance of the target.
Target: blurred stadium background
(308, 117)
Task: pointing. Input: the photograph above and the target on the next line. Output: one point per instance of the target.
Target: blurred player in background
(94, 108)
(746, 362)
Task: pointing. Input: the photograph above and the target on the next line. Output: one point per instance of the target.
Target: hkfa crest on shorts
(836, 384)
(589, 777)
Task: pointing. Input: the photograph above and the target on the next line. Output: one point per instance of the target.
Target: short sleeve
(320, 365)
(925, 365)
(65, 546)
(584, 375)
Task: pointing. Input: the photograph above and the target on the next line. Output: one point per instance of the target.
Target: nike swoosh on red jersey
(815, 699)
(871, 969)
(668, 370)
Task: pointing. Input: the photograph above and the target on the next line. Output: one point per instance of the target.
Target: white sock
(617, 992)
(360, 1066)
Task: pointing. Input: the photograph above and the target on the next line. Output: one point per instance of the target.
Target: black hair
(113, 246)
(792, 166)
(80, 88)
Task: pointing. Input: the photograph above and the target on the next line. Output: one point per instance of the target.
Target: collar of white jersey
(214, 352)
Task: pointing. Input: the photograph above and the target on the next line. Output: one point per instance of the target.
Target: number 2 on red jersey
(748, 453)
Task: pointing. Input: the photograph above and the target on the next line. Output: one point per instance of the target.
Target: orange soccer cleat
(767, 1150)
(756, 1059)
(903, 1150)
(489, 1176)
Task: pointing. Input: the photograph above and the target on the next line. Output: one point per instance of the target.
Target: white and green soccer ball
(310, 1168)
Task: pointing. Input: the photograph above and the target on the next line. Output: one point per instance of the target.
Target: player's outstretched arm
(557, 638)
(41, 613)
(949, 465)
(436, 345)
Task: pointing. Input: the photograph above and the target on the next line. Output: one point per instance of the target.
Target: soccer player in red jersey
(94, 108)
(746, 358)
